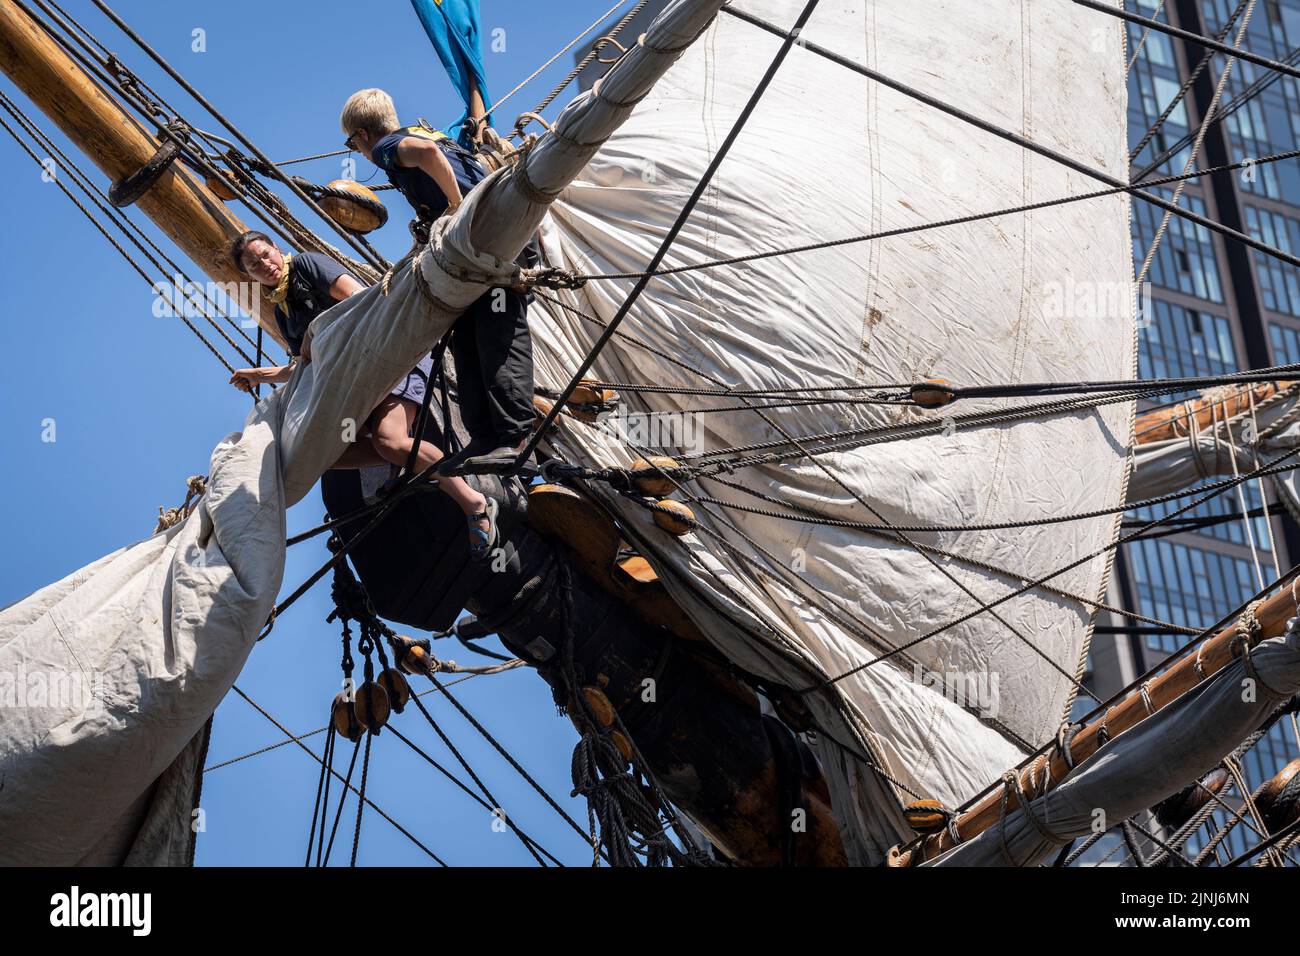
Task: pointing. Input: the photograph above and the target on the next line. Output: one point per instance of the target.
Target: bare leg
(391, 425)
(360, 454)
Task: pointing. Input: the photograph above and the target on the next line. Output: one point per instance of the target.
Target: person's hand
(245, 379)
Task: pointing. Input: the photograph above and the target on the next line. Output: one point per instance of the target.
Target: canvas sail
(829, 154)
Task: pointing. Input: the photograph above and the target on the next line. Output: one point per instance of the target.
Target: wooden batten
(179, 203)
(1166, 423)
(1216, 653)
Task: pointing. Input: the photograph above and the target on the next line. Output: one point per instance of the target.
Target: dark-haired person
(302, 286)
(490, 342)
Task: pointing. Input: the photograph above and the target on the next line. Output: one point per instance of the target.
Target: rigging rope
(1022, 141)
(288, 733)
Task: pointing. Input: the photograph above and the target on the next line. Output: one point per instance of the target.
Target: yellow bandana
(281, 290)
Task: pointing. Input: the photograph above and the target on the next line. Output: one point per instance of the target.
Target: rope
(1187, 84)
(1012, 137)
(610, 37)
(284, 730)
(934, 632)
(578, 279)
(1200, 140)
(672, 234)
(117, 246)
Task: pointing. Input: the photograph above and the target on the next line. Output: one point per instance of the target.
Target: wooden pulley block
(674, 517)
(344, 720)
(415, 661)
(600, 705)
(933, 393)
(363, 214)
(588, 401)
(926, 816)
(371, 706)
(623, 744)
(1279, 799)
(396, 686)
(654, 485)
(220, 188)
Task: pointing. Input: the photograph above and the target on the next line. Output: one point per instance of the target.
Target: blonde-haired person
(304, 285)
(490, 342)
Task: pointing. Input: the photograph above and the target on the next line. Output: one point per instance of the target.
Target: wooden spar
(179, 203)
(1214, 654)
(1166, 423)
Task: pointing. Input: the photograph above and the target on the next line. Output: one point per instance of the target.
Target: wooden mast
(179, 203)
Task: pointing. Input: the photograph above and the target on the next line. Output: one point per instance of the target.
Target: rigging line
(1138, 681)
(541, 69)
(672, 234)
(361, 804)
(1158, 386)
(814, 518)
(1016, 138)
(388, 505)
(1060, 571)
(833, 610)
(487, 735)
(180, 312)
(497, 807)
(1200, 141)
(311, 733)
(307, 750)
(1236, 103)
(1000, 571)
(338, 814)
(591, 54)
(884, 434)
(375, 261)
(459, 783)
(1183, 90)
(127, 225)
(1130, 188)
(111, 87)
(1207, 42)
(1137, 49)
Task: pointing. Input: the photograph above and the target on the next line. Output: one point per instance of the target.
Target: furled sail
(830, 154)
(1227, 431)
(158, 631)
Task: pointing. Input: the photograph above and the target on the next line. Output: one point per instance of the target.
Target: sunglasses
(348, 144)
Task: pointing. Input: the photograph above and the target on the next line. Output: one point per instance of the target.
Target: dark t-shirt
(311, 274)
(418, 186)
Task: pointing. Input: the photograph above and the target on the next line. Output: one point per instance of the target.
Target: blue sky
(138, 404)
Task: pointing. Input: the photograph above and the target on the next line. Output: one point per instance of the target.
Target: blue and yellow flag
(453, 26)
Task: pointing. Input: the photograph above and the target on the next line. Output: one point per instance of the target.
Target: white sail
(830, 154)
